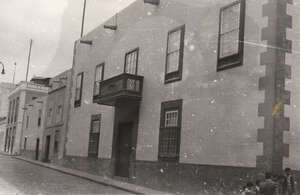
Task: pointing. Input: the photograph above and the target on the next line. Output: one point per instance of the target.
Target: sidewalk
(132, 188)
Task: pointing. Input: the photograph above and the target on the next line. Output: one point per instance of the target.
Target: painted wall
(25, 96)
(58, 95)
(292, 111)
(34, 131)
(220, 120)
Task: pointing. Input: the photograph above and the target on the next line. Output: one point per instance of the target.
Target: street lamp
(2, 72)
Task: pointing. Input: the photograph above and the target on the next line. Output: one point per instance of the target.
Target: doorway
(37, 149)
(123, 149)
(47, 151)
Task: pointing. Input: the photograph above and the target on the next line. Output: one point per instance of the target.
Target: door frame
(117, 156)
(37, 148)
(47, 148)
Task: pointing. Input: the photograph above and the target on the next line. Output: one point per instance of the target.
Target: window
(131, 61)
(9, 111)
(78, 89)
(27, 121)
(94, 135)
(17, 109)
(49, 116)
(13, 111)
(99, 76)
(59, 113)
(170, 127)
(231, 35)
(39, 117)
(174, 57)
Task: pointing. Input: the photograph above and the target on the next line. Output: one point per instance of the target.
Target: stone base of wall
(175, 177)
(94, 166)
(193, 179)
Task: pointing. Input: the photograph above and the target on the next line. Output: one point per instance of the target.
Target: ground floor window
(94, 135)
(169, 133)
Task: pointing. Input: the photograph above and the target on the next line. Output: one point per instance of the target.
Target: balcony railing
(122, 87)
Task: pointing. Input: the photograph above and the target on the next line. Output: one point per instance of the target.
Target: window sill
(229, 62)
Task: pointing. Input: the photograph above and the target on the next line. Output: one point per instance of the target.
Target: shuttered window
(174, 56)
(99, 76)
(170, 127)
(78, 89)
(94, 136)
(131, 62)
(231, 33)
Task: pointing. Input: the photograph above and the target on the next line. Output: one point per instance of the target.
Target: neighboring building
(2, 132)
(187, 95)
(21, 95)
(57, 110)
(5, 88)
(33, 127)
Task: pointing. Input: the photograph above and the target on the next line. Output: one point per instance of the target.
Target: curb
(128, 187)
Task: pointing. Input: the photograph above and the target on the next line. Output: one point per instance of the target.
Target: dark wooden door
(124, 145)
(47, 151)
(37, 149)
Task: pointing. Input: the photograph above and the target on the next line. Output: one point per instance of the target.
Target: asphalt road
(18, 177)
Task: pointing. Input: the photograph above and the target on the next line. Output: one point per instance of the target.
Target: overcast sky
(53, 25)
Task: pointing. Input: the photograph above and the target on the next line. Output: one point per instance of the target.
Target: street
(18, 177)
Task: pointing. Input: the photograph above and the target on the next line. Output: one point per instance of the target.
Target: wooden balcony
(124, 87)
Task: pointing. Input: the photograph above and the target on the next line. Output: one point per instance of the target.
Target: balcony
(124, 87)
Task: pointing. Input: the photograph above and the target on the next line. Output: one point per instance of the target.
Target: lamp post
(3, 71)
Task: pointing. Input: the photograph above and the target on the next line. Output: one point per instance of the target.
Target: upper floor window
(99, 76)
(17, 109)
(49, 116)
(131, 61)
(59, 113)
(170, 127)
(231, 35)
(9, 111)
(174, 58)
(78, 89)
(13, 111)
(39, 117)
(27, 121)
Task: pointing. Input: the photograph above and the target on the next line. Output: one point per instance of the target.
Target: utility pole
(14, 72)
(28, 62)
(83, 15)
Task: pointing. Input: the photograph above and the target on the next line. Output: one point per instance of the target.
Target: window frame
(77, 102)
(102, 78)
(27, 121)
(235, 59)
(137, 49)
(165, 107)
(16, 109)
(59, 113)
(97, 135)
(175, 75)
(39, 117)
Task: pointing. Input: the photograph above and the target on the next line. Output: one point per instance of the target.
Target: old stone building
(56, 117)
(33, 127)
(186, 95)
(18, 98)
